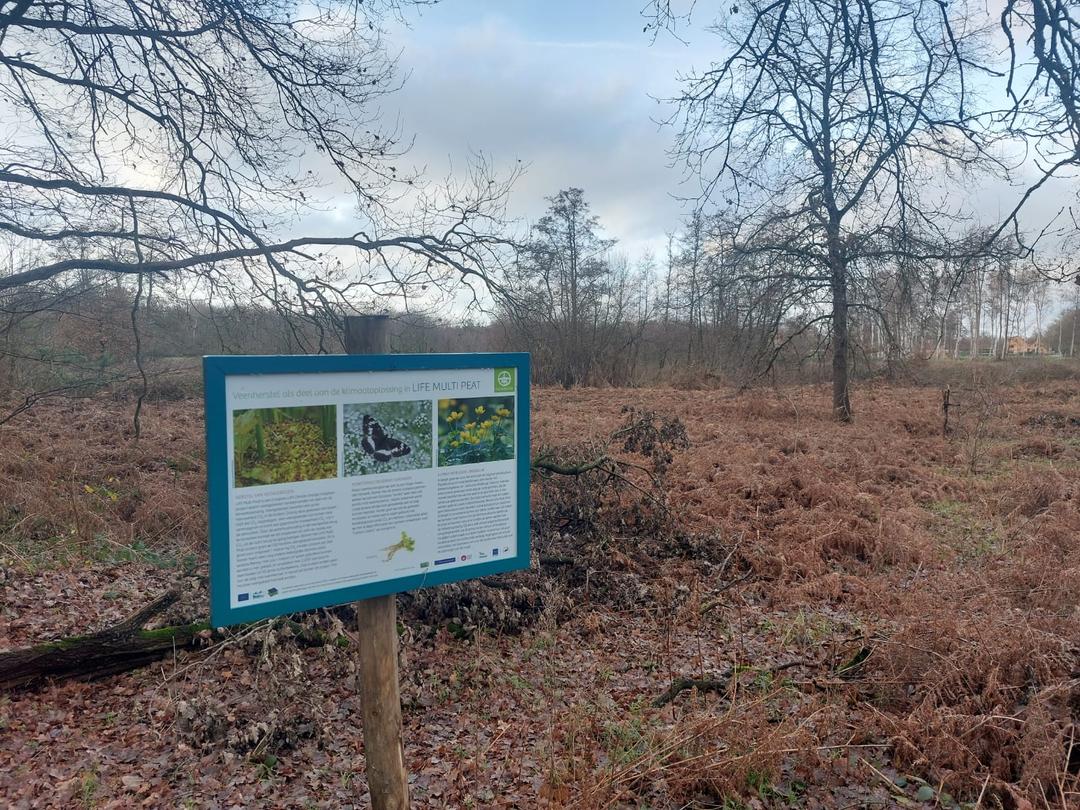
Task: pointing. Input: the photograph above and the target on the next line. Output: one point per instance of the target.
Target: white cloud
(577, 113)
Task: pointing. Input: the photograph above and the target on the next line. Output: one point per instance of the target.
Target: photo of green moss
(284, 445)
(475, 430)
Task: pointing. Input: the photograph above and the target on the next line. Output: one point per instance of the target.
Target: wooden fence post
(380, 699)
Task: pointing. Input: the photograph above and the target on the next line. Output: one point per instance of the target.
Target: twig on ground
(682, 684)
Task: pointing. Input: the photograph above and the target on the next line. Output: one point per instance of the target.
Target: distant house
(1021, 345)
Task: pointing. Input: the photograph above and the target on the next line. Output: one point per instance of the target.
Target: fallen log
(128, 645)
(118, 648)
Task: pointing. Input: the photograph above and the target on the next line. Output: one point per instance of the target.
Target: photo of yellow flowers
(472, 431)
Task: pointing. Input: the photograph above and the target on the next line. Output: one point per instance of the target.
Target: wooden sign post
(380, 699)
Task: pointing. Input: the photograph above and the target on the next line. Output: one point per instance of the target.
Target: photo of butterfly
(387, 437)
(378, 444)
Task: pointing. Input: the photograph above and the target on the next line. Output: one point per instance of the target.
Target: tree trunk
(840, 342)
(1005, 319)
(976, 323)
(1072, 339)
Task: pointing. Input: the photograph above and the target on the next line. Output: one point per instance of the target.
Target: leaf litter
(876, 614)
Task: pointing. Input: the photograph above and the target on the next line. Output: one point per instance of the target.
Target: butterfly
(378, 445)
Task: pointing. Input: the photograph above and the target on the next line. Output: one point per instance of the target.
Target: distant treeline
(80, 341)
(83, 341)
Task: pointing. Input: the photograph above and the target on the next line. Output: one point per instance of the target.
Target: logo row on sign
(483, 555)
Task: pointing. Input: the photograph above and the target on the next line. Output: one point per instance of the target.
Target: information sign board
(334, 478)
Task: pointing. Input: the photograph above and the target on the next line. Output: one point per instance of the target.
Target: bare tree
(564, 287)
(188, 138)
(832, 124)
(1043, 80)
(1042, 76)
(729, 303)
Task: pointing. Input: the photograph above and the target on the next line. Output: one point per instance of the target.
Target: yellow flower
(486, 424)
(455, 443)
(454, 416)
(479, 410)
(470, 425)
(503, 412)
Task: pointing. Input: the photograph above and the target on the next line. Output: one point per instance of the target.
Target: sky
(568, 88)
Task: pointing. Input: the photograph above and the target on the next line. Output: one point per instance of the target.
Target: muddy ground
(876, 614)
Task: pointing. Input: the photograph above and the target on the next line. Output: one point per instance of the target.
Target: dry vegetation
(873, 615)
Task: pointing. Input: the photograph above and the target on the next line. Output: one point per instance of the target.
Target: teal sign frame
(217, 369)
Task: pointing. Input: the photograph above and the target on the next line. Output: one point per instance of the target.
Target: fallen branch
(123, 646)
(720, 684)
(605, 463)
(127, 645)
(680, 685)
(545, 464)
(138, 619)
(725, 587)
